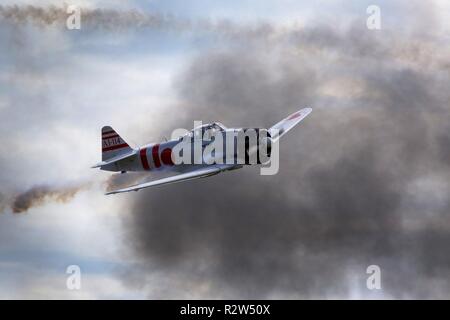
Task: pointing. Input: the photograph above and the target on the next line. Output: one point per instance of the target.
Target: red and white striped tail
(112, 144)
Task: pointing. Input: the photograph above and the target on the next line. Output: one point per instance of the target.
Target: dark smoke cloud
(362, 180)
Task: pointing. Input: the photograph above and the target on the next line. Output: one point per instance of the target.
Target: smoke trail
(93, 18)
(42, 194)
(110, 19)
(39, 195)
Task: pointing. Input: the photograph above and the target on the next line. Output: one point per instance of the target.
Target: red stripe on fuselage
(119, 146)
(155, 155)
(108, 132)
(166, 157)
(144, 160)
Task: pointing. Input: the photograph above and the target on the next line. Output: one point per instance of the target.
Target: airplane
(119, 156)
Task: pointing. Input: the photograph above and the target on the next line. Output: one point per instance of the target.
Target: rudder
(112, 143)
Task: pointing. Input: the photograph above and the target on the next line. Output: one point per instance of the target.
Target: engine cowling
(263, 148)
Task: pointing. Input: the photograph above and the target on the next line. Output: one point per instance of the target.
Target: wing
(198, 173)
(280, 129)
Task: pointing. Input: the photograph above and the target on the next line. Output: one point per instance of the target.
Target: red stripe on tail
(111, 136)
(119, 146)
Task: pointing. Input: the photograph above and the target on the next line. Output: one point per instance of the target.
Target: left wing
(198, 173)
(282, 127)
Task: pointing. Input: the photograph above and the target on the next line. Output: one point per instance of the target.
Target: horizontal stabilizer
(115, 159)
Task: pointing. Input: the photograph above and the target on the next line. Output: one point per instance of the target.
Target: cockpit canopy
(211, 129)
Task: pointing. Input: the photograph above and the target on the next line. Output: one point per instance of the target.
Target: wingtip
(119, 191)
(97, 165)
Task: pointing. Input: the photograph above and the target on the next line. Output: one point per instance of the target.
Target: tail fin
(112, 144)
